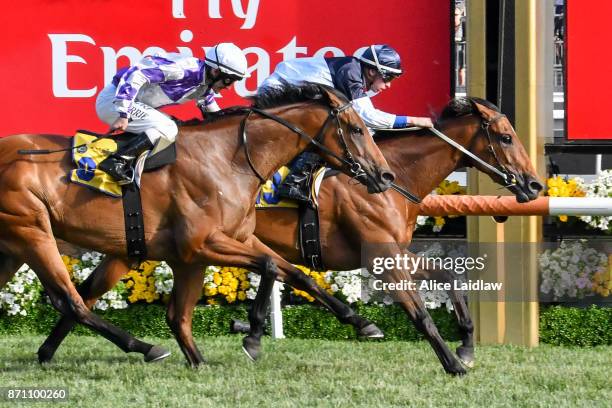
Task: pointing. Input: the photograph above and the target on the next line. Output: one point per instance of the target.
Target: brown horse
(350, 217)
(198, 211)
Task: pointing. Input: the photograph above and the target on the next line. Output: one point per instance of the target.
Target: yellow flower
(233, 284)
(211, 301)
(439, 221)
(217, 278)
(231, 298)
(563, 218)
(244, 284)
(241, 295)
(210, 291)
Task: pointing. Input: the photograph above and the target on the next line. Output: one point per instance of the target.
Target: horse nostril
(535, 186)
(387, 177)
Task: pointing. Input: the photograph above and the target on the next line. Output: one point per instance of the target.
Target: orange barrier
(440, 205)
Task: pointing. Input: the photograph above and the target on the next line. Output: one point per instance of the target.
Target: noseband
(333, 114)
(508, 177)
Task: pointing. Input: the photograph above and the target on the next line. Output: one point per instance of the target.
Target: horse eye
(357, 130)
(506, 139)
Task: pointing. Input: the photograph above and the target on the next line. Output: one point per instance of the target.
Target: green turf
(299, 373)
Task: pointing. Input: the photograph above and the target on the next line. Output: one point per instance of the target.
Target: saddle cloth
(87, 158)
(92, 152)
(268, 196)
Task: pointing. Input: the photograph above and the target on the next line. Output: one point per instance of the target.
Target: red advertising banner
(589, 69)
(57, 55)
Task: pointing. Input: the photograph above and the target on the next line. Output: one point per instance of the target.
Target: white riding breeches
(160, 129)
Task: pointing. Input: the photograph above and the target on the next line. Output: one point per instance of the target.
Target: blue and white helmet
(229, 59)
(384, 59)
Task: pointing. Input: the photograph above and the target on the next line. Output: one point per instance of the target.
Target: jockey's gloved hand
(119, 125)
(421, 122)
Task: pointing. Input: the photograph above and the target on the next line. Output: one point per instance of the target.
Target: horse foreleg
(8, 267)
(413, 306)
(186, 291)
(466, 327)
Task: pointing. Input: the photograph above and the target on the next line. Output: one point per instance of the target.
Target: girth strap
(134, 224)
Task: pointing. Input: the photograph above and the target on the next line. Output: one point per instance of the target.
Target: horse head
(502, 155)
(348, 145)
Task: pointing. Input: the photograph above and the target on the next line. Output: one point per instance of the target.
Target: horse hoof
(459, 371)
(239, 326)
(44, 355)
(251, 347)
(156, 353)
(371, 332)
(466, 356)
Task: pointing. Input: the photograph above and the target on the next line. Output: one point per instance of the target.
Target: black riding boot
(119, 164)
(295, 186)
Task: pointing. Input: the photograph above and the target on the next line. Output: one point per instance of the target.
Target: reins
(353, 166)
(507, 177)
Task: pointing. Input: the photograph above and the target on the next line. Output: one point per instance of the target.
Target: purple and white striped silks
(159, 81)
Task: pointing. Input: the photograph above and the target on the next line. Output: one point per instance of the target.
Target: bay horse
(198, 211)
(349, 217)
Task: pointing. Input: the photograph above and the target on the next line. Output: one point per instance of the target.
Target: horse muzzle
(377, 180)
(526, 188)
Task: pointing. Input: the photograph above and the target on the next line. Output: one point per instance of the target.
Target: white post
(276, 313)
(598, 164)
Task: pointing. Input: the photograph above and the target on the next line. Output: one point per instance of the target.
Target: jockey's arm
(377, 119)
(207, 103)
(145, 71)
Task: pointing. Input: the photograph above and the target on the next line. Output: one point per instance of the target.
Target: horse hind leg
(251, 344)
(295, 278)
(101, 280)
(46, 261)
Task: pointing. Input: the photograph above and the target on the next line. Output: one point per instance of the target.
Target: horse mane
(463, 106)
(271, 97)
(455, 108)
(286, 94)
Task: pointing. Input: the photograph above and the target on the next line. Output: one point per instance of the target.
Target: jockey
(130, 101)
(358, 78)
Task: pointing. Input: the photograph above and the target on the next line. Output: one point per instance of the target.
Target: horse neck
(421, 160)
(272, 145)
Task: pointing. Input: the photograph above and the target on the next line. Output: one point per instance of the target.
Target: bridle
(333, 115)
(508, 177)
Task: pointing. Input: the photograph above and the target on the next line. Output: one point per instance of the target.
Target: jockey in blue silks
(359, 79)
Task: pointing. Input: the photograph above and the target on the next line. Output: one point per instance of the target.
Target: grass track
(300, 373)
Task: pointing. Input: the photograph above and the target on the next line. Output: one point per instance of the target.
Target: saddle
(308, 237)
(89, 150)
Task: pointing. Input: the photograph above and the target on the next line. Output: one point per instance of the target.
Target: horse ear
(334, 100)
(485, 113)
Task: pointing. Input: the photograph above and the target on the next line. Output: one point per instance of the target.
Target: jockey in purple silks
(129, 103)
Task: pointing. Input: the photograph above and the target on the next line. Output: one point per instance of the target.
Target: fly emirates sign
(60, 54)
